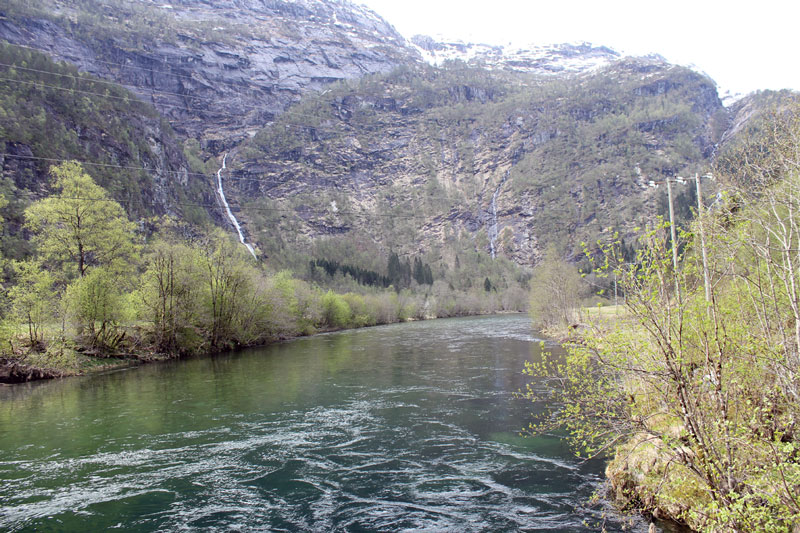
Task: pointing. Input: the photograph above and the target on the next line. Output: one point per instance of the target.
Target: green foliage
(555, 292)
(80, 227)
(361, 275)
(43, 107)
(170, 296)
(97, 307)
(336, 311)
(32, 299)
(227, 276)
(698, 396)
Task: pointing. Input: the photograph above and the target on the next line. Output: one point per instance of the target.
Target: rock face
(50, 112)
(219, 69)
(337, 127)
(462, 153)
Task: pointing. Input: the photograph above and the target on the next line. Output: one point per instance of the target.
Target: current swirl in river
(405, 427)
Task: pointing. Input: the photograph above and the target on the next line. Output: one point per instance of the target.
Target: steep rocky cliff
(337, 129)
(219, 69)
(428, 156)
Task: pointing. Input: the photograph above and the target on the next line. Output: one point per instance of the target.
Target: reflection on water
(403, 427)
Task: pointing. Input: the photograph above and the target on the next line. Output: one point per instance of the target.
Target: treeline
(361, 275)
(399, 273)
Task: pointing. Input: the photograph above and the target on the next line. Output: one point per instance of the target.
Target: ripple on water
(424, 441)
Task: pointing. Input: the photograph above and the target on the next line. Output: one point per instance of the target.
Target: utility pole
(706, 277)
(674, 238)
(679, 179)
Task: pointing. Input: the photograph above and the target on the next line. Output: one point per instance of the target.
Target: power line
(150, 170)
(105, 165)
(154, 92)
(39, 84)
(151, 91)
(134, 97)
(250, 208)
(94, 79)
(120, 65)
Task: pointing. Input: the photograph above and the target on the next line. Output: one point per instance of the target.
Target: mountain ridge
(324, 99)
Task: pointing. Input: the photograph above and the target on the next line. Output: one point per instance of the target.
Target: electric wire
(150, 171)
(296, 210)
(134, 97)
(95, 79)
(156, 92)
(112, 63)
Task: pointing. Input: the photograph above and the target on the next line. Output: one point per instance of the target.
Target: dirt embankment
(15, 371)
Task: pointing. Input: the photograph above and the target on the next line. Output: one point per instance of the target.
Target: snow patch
(535, 58)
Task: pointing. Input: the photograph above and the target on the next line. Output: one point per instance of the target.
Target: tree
(170, 292)
(97, 306)
(555, 292)
(398, 272)
(336, 311)
(80, 226)
(227, 277)
(32, 299)
(698, 398)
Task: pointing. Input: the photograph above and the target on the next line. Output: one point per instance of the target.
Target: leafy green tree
(32, 299)
(97, 306)
(696, 397)
(227, 276)
(80, 226)
(335, 310)
(170, 293)
(555, 292)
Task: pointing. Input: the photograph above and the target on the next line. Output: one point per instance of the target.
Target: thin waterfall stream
(493, 230)
(231, 216)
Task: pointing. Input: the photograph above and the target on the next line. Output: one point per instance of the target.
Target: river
(405, 427)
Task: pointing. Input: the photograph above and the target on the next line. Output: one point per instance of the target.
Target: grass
(604, 311)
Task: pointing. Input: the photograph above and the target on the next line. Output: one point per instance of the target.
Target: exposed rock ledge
(642, 479)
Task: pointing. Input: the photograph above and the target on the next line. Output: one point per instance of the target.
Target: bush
(336, 312)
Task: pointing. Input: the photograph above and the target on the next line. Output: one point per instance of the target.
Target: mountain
(425, 158)
(216, 69)
(343, 135)
(50, 112)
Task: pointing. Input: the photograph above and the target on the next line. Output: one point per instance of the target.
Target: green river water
(406, 427)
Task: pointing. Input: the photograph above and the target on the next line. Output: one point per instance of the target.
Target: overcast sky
(743, 46)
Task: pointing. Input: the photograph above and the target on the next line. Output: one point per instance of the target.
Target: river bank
(25, 366)
(642, 474)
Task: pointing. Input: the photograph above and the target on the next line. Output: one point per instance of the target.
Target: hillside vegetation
(51, 112)
(426, 157)
(694, 390)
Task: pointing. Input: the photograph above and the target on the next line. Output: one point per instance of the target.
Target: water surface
(405, 427)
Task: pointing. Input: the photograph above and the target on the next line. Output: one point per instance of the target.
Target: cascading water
(493, 231)
(228, 208)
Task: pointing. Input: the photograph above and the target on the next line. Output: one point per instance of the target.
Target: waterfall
(228, 209)
(494, 230)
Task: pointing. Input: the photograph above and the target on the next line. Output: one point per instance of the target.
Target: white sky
(743, 46)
